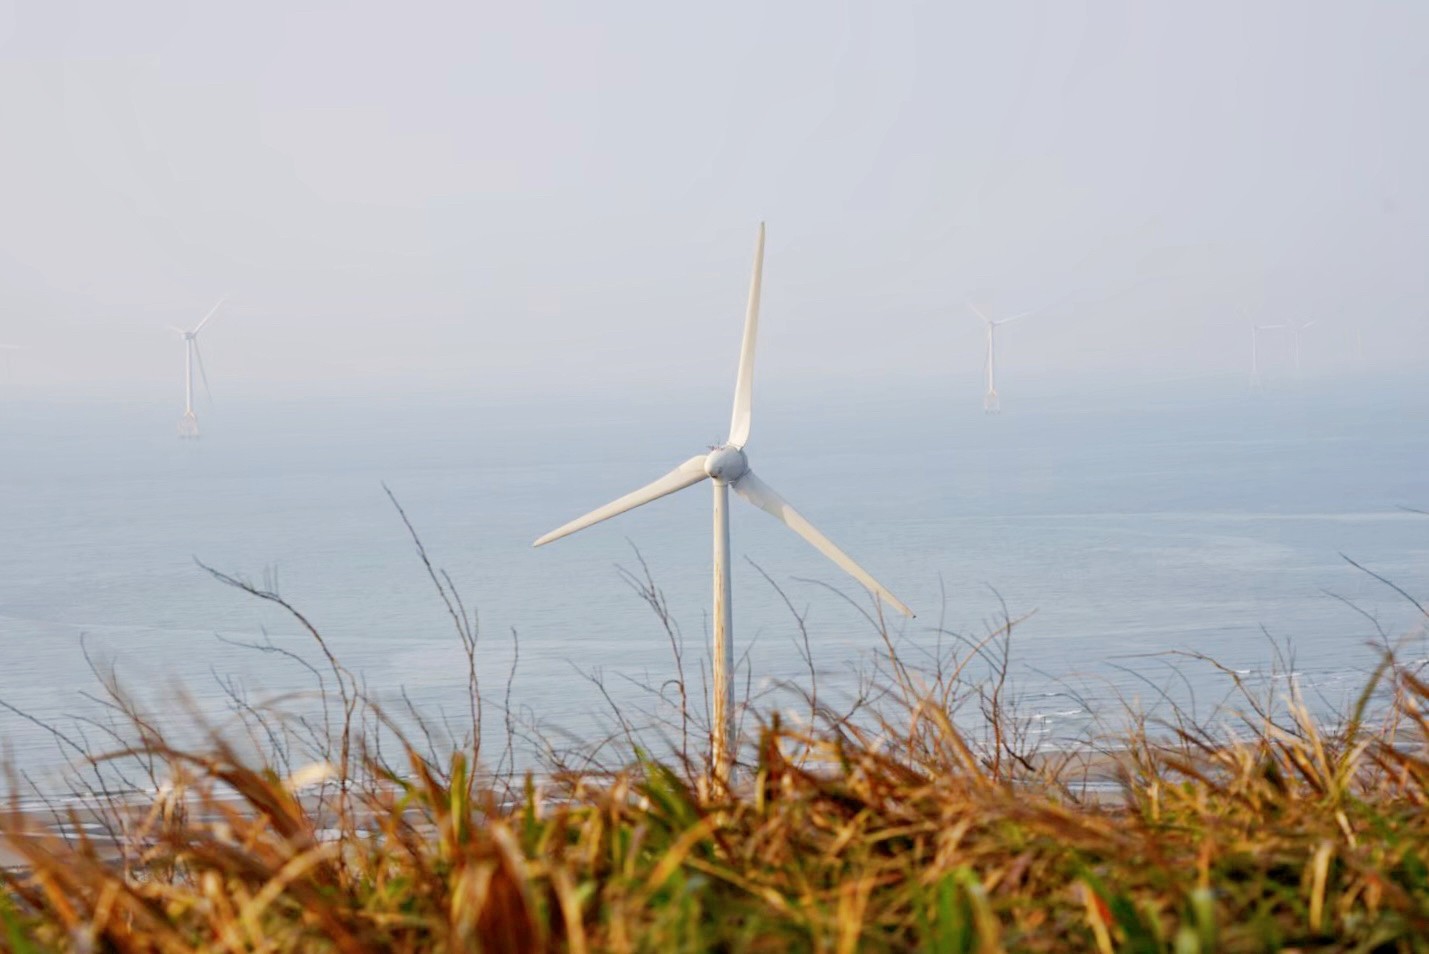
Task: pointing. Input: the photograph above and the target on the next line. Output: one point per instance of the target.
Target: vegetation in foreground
(881, 827)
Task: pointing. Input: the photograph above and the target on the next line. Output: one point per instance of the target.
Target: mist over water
(1124, 524)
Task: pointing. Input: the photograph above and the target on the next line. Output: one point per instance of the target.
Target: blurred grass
(903, 836)
(886, 825)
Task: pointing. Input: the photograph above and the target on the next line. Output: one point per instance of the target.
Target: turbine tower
(990, 401)
(727, 466)
(188, 424)
(1255, 330)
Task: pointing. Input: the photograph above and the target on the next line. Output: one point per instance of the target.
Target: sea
(1149, 544)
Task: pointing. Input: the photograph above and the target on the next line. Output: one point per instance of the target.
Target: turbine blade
(690, 472)
(739, 420)
(1308, 324)
(1003, 321)
(203, 375)
(213, 311)
(764, 497)
(177, 331)
(978, 311)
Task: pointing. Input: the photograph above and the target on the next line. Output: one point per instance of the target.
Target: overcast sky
(564, 196)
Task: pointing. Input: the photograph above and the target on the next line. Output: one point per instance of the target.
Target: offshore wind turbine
(188, 424)
(991, 404)
(728, 466)
(1295, 329)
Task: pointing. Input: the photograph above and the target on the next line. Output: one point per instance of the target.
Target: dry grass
(838, 839)
(884, 826)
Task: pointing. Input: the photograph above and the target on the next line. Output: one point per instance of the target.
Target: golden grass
(886, 827)
(838, 838)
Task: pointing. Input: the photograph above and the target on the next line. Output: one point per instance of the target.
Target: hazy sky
(565, 195)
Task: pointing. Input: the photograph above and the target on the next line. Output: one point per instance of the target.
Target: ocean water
(1117, 527)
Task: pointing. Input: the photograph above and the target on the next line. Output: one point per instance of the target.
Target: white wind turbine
(991, 404)
(188, 424)
(727, 466)
(1295, 329)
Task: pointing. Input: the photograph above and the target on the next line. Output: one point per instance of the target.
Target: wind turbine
(188, 424)
(1255, 331)
(1295, 329)
(990, 402)
(727, 466)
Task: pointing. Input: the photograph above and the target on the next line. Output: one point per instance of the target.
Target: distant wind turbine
(188, 424)
(1295, 329)
(727, 466)
(991, 404)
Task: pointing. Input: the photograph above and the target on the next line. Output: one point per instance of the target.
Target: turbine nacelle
(726, 464)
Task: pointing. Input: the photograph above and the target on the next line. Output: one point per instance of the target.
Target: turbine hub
(726, 464)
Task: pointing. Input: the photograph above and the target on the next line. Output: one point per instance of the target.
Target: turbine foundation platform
(188, 426)
(990, 403)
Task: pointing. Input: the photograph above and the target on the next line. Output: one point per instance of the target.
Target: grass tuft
(832, 840)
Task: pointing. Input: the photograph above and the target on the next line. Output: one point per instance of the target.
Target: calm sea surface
(1122, 525)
